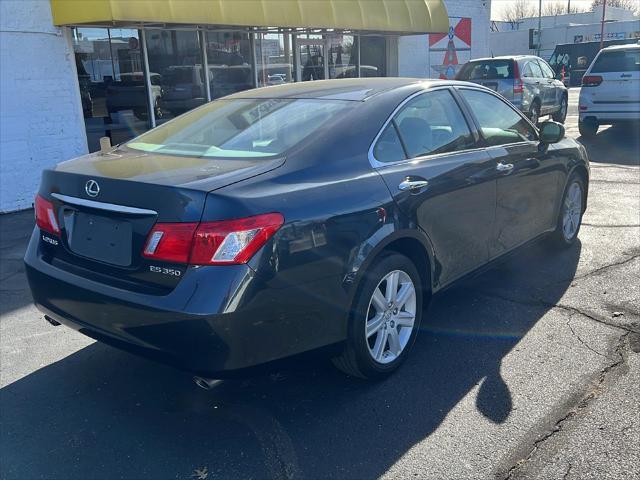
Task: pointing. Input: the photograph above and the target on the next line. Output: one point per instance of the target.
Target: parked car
(610, 91)
(289, 218)
(130, 93)
(525, 80)
(183, 88)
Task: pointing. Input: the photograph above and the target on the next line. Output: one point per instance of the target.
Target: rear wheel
(384, 320)
(561, 114)
(570, 216)
(588, 128)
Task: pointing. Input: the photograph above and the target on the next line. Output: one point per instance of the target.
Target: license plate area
(99, 238)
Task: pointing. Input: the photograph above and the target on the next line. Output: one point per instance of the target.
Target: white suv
(610, 91)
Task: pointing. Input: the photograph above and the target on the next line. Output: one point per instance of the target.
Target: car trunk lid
(106, 205)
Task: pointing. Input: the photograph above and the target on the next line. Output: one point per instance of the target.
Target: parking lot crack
(606, 267)
(534, 301)
(593, 391)
(585, 344)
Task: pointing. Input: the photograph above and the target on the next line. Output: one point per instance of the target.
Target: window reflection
(373, 56)
(112, 89)
(274, 58)
(176, 72)
(343, 56)
(229, 59)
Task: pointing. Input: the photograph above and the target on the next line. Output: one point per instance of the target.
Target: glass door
(311, 62)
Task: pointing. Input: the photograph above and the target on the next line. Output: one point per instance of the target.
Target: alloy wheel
(390, 316)
(572, 210)
(535, 115)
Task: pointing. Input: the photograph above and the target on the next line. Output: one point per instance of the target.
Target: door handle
(412, 185)
(504, 167)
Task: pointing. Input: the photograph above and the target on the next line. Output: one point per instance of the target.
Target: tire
(561, 115)
(588, 128)
(570, 214)
(534, 112)
(378, 355)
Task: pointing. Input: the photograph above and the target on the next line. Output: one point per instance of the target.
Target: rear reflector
(211, 243)
(591, 80)
(46, 216)
(170, 242)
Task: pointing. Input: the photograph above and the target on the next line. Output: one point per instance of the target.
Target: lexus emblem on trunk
(92, 188)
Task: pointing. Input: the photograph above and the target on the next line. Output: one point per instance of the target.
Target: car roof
(354, 89)
(626, 46)
(503, 57)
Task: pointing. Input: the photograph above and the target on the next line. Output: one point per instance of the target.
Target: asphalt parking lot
(530, 370)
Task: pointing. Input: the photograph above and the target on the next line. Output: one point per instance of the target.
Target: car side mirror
(551, 132)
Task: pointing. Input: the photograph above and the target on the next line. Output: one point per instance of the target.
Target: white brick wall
(413, 51)
(40, 111)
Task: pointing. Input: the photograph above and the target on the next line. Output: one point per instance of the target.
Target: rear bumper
(610, 116)
(217, 320)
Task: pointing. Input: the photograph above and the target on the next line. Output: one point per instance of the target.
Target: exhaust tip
(52, 321)
(206, 383)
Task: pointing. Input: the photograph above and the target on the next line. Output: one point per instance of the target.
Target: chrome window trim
(108, 207)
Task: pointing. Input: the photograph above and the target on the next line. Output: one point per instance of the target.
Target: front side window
(432, 123)
(499, 123)
(241, 128)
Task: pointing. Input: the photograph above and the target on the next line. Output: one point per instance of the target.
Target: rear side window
(532, 70)
(499, 123)
(389, 147)
(546, 70)
(433, 123)
(487, 70)
(618, 61)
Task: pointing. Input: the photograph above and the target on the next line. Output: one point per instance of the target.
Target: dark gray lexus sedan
(284, 219)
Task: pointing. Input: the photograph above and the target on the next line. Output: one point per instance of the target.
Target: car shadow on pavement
(619, 144)
(102, 413)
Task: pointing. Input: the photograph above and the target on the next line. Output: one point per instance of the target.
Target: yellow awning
(391, 16)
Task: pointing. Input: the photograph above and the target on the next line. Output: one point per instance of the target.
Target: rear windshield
(617, 61)
(237, 128)
(487, 70)
(174, 76)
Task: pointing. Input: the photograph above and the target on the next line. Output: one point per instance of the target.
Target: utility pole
(568, 7)
(539, 28)
(604, 9)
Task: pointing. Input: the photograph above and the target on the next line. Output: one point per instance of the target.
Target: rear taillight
(518, 86)
(211, 243)
(591, 80)
(46, 218)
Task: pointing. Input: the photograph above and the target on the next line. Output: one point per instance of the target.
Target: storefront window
(373, 56)
(274, 58)
(176, 72)
(112, 87)
(343, 56)
(229, 60)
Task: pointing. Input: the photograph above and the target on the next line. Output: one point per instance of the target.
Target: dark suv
(525, 80)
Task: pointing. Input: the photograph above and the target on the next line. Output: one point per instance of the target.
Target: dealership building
(73, 71)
